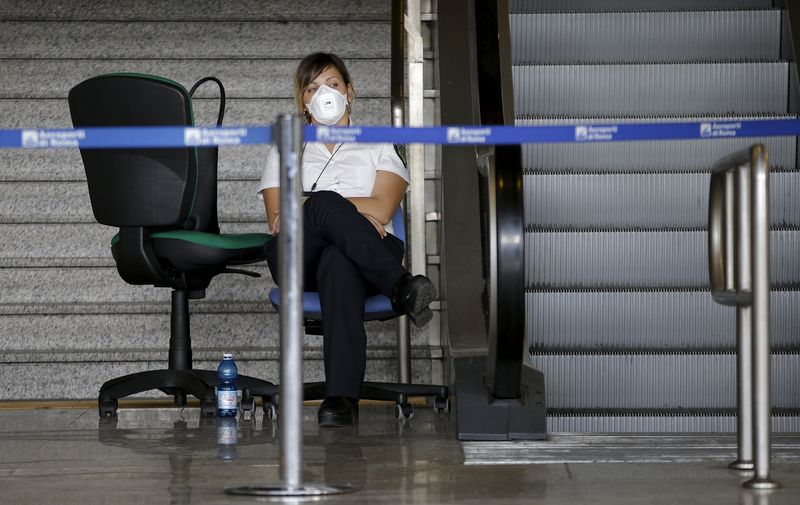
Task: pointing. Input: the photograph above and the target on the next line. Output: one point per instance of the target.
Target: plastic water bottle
(226, 387)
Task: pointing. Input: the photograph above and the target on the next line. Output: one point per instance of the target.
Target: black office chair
(164, 202)
(376, 308)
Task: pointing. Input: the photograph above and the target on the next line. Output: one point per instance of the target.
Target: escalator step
(635, 381)
(660, 421)
(632, 37)
(572, 321)
(638, 260)
(632, 5)
(651, 89)
(636, 201)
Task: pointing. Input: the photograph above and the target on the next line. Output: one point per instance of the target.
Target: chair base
(179, 383)
(380, 391)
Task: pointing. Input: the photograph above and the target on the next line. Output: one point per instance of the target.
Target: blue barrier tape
(168, 136)
(135, 136)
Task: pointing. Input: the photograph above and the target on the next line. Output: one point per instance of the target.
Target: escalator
(618, 317)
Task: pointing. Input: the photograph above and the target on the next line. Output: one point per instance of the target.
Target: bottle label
(226, 399)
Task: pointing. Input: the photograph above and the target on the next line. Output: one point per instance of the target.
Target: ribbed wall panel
(655, 320)
(619, 260)
(632, 5)
(666, 423)
(639, 200)
(644, 89)
(657, 380)
(632, 37)
(645, 156)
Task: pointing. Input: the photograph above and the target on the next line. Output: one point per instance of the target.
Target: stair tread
(199, 11)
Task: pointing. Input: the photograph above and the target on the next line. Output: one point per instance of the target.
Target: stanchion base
(742, 465)
(761, 484)
(280, 490)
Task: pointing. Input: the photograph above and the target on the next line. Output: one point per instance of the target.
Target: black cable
(221, 95)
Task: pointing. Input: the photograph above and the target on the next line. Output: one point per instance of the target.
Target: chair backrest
(150, 188)
(399, 224)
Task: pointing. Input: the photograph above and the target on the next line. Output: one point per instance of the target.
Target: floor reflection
(159, 456)
(182, 444)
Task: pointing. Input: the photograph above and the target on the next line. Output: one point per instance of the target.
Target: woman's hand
(377, 224)
(275, 226)
(272, 206)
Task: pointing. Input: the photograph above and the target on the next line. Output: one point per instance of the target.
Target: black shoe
(412, 295)
(338, 411)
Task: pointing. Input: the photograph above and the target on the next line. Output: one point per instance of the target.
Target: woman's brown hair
(308, 70)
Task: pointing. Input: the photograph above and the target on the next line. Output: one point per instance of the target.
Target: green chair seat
(218, 241)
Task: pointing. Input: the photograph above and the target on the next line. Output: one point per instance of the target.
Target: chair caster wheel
(270, 410)
(441, 405)
(403, 411)
(107, 407)
(208, 408)
(247, 406)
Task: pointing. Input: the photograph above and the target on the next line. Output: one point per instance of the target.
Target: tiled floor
(154, 456)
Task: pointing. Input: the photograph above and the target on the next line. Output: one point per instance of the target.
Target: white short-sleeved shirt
(351, 168)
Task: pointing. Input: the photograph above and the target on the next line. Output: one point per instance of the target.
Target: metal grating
(631, 260)
(570, 321)
(637, 201)
(632, 37)
(650, 89)
(660, 421)
(656, 380)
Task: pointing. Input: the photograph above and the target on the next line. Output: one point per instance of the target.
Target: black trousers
(345, 260)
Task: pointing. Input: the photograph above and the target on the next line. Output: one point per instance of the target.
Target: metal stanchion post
(291, 323)
(289, 134)
(762, 349)
(744, 390)
(398, 114)
(739, 275)
(739, 191)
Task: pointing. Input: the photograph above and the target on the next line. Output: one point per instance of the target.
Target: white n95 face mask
(327, 105)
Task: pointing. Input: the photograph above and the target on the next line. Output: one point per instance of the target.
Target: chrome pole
(744, 390)
(398, 120)
(415, 202)
(744, 343)
(762, 350)
(739, 274)
(289, 132)
(290, 257)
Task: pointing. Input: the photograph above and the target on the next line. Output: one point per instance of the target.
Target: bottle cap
(227, 355)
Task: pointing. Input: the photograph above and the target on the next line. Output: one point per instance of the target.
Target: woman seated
(349, 252)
